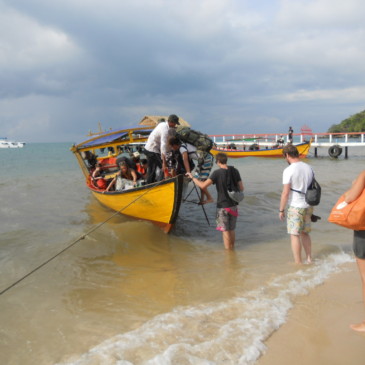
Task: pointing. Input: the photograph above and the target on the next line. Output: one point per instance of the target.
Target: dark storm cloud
(237, 66)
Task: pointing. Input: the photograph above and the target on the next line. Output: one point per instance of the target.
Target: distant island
(355, 123)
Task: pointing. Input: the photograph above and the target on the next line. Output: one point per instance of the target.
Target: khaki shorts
(299, 220)
(226, 219)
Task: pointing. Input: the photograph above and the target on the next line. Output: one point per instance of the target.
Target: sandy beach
(317, 330)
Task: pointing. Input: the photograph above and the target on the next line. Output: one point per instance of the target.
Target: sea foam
(229, 332)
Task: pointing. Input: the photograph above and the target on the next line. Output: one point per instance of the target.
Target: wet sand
(317, 330)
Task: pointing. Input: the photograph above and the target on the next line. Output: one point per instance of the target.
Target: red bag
(350, 215)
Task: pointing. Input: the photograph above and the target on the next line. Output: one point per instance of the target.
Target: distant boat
(255, 151)
(5, 143)
(158, 202)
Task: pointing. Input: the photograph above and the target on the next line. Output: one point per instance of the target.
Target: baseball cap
(173, 119)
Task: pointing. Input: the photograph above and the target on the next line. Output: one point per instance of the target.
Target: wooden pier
(336, 143)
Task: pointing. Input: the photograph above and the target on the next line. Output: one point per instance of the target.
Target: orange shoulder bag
(349, 215)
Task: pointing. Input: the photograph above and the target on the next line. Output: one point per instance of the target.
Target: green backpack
(200, 140)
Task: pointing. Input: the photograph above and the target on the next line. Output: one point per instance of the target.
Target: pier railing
(318, 139)
(333, 141)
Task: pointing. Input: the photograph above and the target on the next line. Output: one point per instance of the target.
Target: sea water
(126, 293)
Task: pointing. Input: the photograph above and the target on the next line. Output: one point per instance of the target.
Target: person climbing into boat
(188, 153)
(227, 211)
(157, 147)
(126, 173)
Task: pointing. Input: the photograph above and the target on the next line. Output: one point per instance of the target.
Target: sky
(225, 66)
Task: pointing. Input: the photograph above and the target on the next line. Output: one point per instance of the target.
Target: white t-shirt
(299, 175)
(190, 149)
(157, 140)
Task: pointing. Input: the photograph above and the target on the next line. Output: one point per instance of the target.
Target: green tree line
(355, 123)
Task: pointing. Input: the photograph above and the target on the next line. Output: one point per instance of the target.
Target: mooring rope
(77, 240)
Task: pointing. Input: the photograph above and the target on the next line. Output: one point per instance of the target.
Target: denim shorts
(299, 220)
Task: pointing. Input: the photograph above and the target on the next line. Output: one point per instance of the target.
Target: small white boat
(5, 143)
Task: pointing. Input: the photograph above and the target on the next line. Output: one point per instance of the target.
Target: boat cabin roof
(119, 137)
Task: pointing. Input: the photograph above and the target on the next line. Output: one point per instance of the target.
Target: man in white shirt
(157, 147)
(296, 179)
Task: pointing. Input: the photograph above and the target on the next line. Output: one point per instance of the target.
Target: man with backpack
(188, 154)
(296, 179)
(227, 211)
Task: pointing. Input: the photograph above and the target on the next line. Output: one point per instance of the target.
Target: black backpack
(313, 193)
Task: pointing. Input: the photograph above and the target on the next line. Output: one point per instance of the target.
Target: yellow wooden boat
(255, 151)
(158, 202)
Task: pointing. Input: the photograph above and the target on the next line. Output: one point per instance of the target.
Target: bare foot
(309, 260)
(358, 327)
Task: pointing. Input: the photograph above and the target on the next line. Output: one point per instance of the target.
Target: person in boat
(280, 141)
(187, 156)
(290, 135)
(129, 161)
(142, 169)
(174, 164)
(135, 159)
(97, 178)
(126, 173)
(157, 147)
(227, 211)
(296, 178)
(91, 159)
(140, 165)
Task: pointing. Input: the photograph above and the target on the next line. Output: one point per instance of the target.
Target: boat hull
(158, 203)
(10, 144)
(303, 149)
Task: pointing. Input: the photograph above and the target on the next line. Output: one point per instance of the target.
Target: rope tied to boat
(77, 240)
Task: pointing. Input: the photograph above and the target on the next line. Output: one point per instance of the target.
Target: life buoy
(335, 151)
(254, 147)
